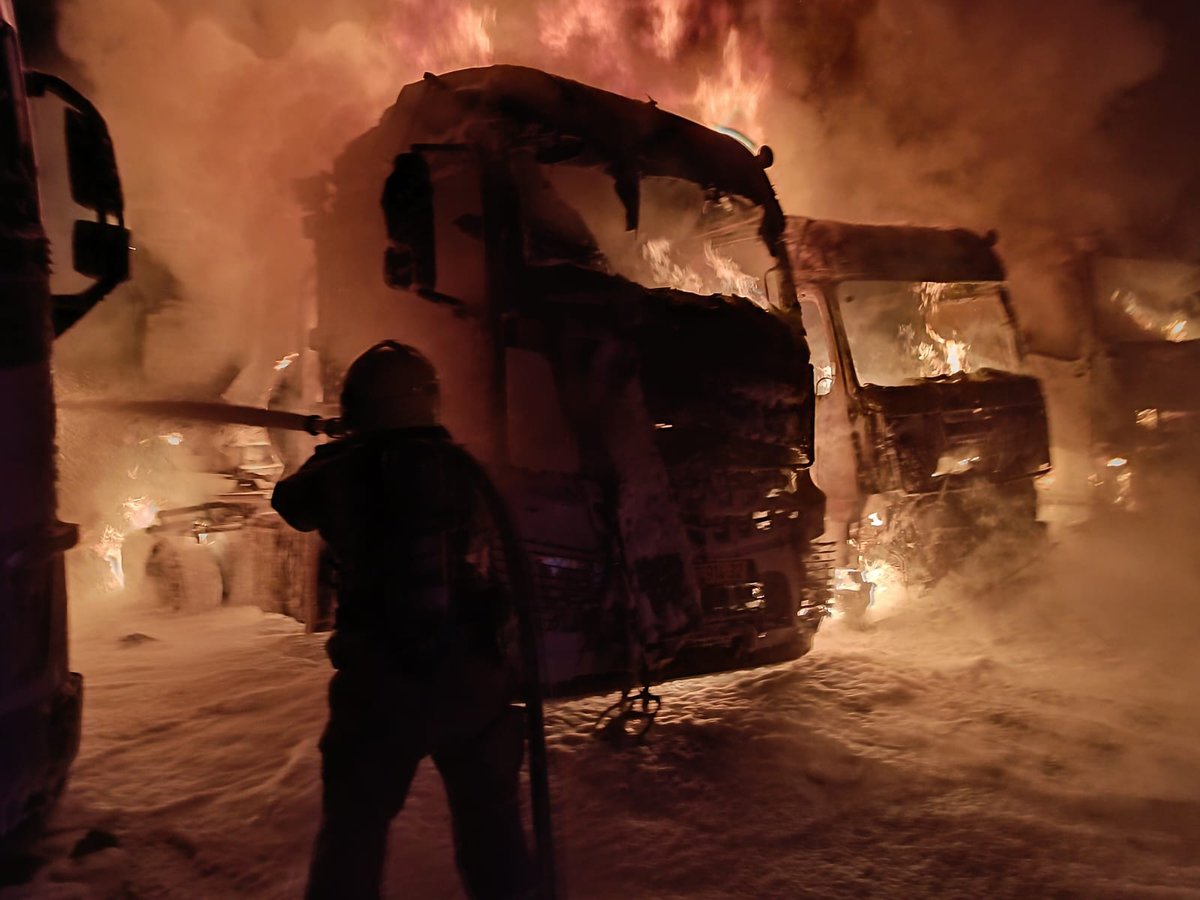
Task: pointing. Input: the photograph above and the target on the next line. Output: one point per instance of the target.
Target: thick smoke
(988, 115)
(1004, 114)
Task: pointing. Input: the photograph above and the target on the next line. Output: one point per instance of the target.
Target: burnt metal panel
(826, 250)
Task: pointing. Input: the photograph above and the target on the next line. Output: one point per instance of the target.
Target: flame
(1175, 329)
(595, 24)
(733, 95)
(461, 37)
(109, 550)
(668, 27)
(732, 279)
(140, 512)
(173, 438)
(939, 355)
(281, 364)
(657, 252)
(889, 585)
(956, 356)
(470, 33)
(726, 276)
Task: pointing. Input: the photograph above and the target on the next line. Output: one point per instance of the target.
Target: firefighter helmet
(391, 385)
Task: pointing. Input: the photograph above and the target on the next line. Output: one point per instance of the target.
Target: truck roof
(823, 249)
(563, 120)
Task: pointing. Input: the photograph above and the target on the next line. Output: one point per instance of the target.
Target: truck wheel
(183, 576)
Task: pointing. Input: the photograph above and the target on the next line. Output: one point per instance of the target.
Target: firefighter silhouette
(418, 643)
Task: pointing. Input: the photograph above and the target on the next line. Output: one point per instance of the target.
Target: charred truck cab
(40, 698)
(928, 435)
(587, 273)
(1141, 370)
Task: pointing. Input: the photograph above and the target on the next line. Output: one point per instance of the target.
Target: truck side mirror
(410, 261)
(101, 250)
(92, 164)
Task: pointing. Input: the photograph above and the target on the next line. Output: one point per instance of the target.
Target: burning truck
(1140, 367)
(618, 310)
(929, 437)
(589, 275)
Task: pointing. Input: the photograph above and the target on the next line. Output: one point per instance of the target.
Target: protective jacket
(412, 539)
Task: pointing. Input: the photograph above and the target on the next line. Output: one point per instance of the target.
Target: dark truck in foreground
(929, 437)
(40, 698)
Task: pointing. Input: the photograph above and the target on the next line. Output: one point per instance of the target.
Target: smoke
(985, 115)
(988, 115)
(1008, 114)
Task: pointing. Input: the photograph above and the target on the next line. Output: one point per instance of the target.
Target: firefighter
(418, 649)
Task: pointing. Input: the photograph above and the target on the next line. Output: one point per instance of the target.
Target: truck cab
(929, 434)
(588, 273)
(1141, 367)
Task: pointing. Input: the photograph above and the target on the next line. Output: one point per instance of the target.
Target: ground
(1028, 730)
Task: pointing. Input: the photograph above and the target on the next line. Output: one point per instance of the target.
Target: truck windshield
(1146, 301)
(687, 238)
(901, 331)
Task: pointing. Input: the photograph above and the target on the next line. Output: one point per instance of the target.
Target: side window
(539, 437)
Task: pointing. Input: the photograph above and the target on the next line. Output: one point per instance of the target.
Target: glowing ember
(174, 439)
(1117, 461)
(875, 519)
(281, 364)
(1148, 418)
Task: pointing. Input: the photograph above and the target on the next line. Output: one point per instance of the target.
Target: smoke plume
(988, 115)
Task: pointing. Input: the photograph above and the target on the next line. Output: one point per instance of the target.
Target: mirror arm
(67, 309)
(38, 84)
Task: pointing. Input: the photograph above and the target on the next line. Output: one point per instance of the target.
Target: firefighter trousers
(379, 730)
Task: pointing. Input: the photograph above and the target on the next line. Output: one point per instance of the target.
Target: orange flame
(668, 27)
(732, 97)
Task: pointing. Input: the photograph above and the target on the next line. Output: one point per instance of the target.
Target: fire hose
(521, 578)
(223, 413)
